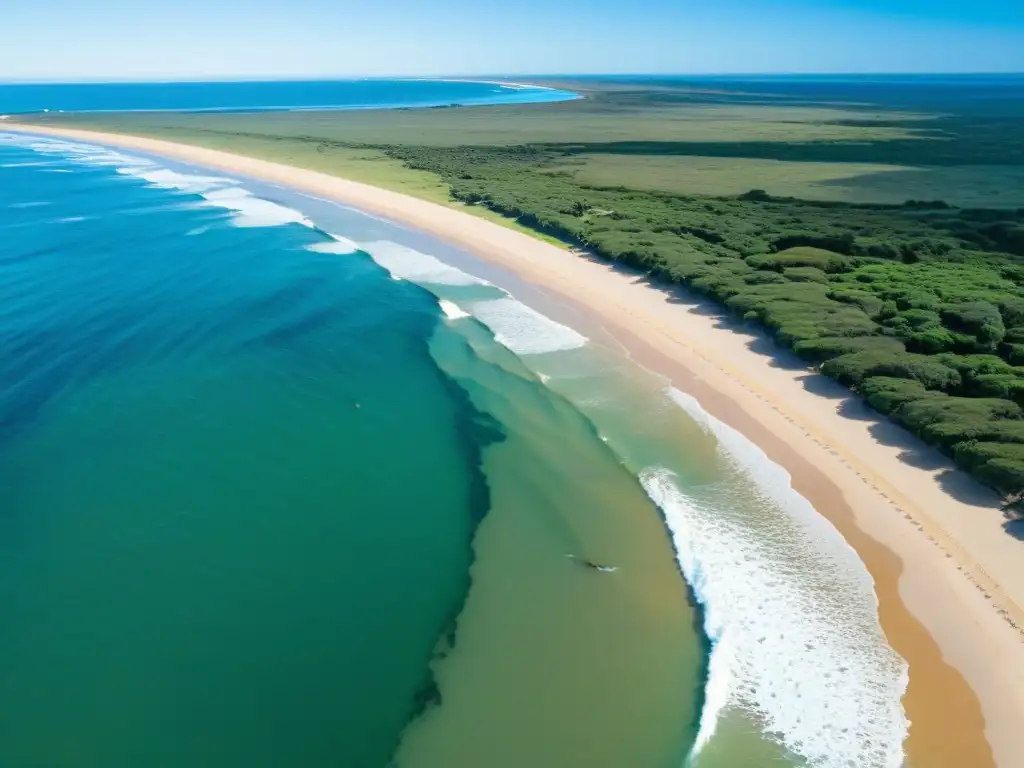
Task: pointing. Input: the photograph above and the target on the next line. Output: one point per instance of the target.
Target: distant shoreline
(27, 99)
(506, 83)
(967, 663)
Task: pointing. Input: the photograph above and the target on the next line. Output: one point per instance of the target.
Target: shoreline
(939, 606)
(508, 83)
(512, 86)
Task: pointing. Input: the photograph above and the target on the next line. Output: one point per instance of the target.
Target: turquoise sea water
(280, 485)
(212, 482)
(264, 95)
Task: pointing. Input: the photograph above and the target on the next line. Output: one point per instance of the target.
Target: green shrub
(986, 375)
(917, 299)
(932, 341)
(885, 394)
(844, 243)
(826, 347)
(868, 302)
(1007, 386)
(921, 319)
(1014, 353)
(975, 365)
(800, 256)
(763, 277)
(948, 433)
(1000, 465)
(977, 318)
(1012, 310)
(852, 369)
(805, 275)
(937, 407)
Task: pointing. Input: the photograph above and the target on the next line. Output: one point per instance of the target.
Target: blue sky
(145, 39)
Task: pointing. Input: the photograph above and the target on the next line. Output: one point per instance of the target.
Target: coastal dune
(949, 577)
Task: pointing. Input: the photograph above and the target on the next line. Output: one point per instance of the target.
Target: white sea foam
(72, 219)
(337, 244)
(452, 310)
(216, 191)
(524, 330)
(789, 609)
(220, 192)
(252, 211)
(165, 178)
(33, 164)
(34, 204)
(410, 264)
(86, 153)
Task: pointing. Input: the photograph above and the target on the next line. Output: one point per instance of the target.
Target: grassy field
(971, 186)
(601, 120)
(874, 228)
(665, 137)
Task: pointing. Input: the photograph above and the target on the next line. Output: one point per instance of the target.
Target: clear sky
(146, 39)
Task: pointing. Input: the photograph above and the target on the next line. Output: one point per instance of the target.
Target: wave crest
(790, 611)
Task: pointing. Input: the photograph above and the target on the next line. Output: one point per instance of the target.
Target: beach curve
(918, 542)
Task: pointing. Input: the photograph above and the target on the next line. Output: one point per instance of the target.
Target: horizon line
(253, 78)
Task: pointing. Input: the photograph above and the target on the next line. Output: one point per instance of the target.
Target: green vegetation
(973, 185)
(913, 302)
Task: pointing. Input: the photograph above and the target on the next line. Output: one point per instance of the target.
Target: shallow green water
(197, 574)
(555, 663)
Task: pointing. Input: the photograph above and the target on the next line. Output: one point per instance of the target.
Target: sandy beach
(949, 576)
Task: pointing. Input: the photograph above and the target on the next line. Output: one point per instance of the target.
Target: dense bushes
(852, 369)
(800, 256)
(805, 275)
(1000, 465)
(977, 318)
(826, 347)
(914, 307)
(886, 394)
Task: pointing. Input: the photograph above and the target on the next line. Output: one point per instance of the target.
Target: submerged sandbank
(943, 569)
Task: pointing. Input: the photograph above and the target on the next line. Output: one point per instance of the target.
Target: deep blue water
(264, 95)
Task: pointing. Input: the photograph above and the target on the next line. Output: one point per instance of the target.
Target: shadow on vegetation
(953, 150)
(972, 186)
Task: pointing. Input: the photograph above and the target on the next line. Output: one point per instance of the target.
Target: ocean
(266, 95)
(287, 484)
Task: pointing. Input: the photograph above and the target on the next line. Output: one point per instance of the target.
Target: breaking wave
(790, 611)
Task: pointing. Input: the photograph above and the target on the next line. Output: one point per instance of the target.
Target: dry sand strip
(949, 578)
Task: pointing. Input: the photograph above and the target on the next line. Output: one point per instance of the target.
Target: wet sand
(949, 578)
